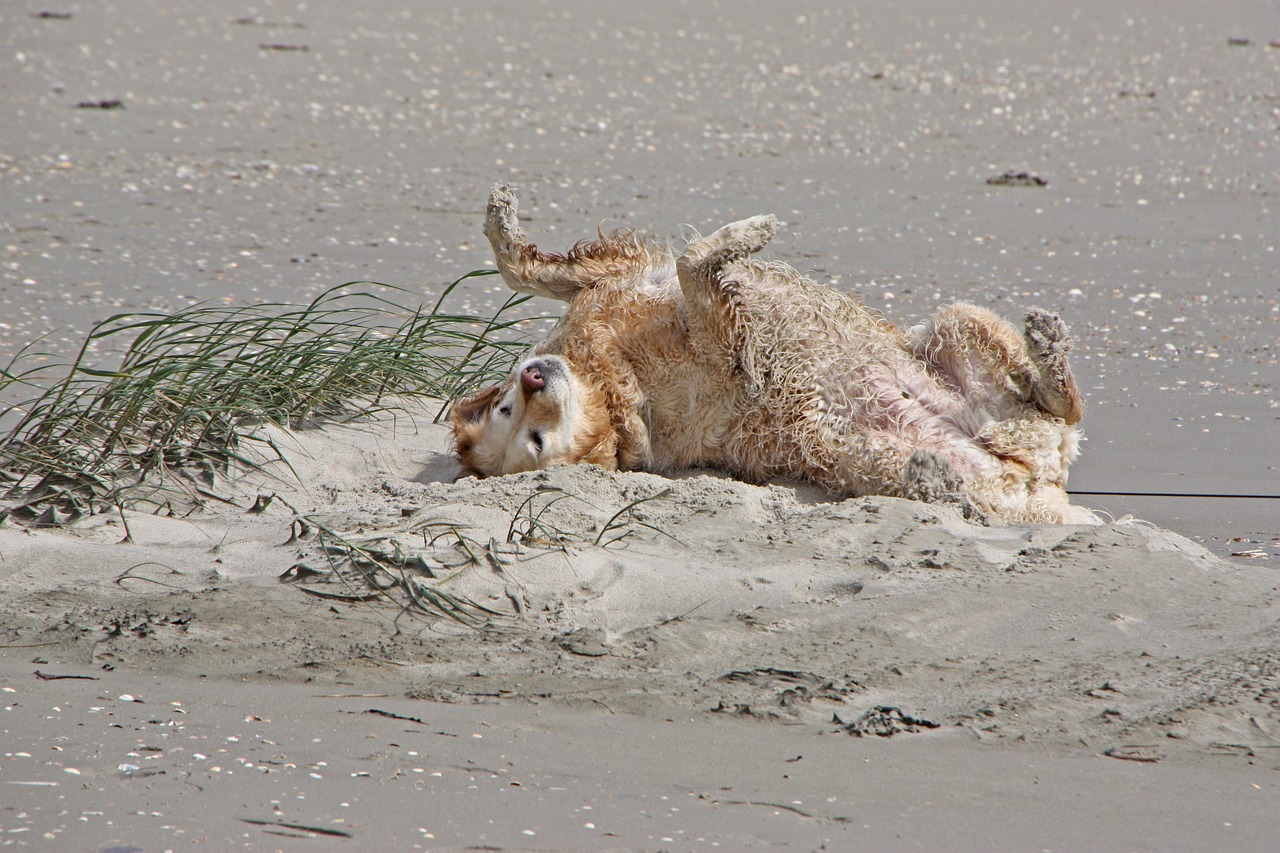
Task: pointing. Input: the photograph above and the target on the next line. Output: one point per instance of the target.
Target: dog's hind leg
(710, 287)
(559, 276)
(993, 366)
(932, 478)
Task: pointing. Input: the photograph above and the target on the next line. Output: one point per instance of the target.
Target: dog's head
(542, 414)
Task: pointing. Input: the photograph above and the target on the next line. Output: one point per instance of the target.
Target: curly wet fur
(717, 359)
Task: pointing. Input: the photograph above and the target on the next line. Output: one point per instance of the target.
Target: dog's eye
(505, 410)
(536, 438)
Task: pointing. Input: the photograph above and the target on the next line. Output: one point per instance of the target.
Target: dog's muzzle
(532, 378)
(535, 374)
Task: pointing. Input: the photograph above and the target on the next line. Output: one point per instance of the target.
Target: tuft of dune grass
(192, 385)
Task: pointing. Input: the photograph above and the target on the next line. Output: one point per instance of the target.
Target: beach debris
(1143, 754)
(46, 677)
(1017, 179)
(104, 104)
(378, 712)
(300, 827)
(885, 721)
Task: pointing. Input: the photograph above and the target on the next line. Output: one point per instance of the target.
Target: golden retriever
(715, 359)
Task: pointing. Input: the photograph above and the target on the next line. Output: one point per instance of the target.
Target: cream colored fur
(717, 359)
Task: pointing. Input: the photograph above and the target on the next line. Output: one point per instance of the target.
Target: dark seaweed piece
(886, 721)
(1017, 179)
(46, 677)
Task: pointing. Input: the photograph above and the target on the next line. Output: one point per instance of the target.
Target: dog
(715, 359)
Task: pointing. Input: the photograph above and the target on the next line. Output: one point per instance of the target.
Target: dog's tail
(559, 276)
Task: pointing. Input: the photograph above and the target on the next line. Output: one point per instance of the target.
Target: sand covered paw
(1049, 342)
(1047, 336)
(732, 242)
(501, 217)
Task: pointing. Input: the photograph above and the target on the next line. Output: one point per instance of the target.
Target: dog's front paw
(502, 219)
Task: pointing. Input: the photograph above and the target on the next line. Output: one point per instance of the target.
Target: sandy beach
(659, 664)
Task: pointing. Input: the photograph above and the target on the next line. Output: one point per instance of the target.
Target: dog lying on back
(715, 359)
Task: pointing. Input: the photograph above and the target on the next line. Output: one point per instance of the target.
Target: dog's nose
(531, 378)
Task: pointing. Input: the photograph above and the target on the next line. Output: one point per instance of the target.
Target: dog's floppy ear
(468, 424)
(473, 410)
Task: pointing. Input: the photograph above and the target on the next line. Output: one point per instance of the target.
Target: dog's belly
(692, 418)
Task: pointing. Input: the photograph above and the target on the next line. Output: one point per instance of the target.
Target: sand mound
(675, 598)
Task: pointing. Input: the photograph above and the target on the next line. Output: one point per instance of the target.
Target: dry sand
(700, 682)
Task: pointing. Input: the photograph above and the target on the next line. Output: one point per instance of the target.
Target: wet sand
(1107, 689)
(185, 764)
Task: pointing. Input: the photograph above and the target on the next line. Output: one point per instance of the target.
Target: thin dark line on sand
(1176, 495)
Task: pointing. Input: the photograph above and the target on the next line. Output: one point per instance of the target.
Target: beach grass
(191, 387)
